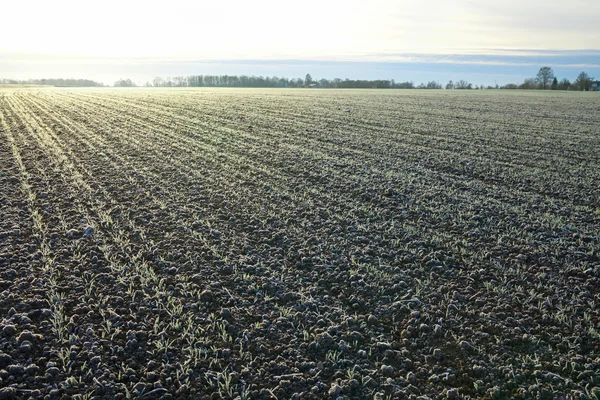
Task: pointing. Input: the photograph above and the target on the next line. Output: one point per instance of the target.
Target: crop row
(263, 244)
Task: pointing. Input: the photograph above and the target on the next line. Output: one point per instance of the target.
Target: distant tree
(544, 77)
(124, 83)
(179, 81)
(462, 84)
(308, 79)
(583, 81)
(404, 85)
(510, 86)
(433, 85)
(564, 84)
(554, 84)
(529, 83)
(450, 84)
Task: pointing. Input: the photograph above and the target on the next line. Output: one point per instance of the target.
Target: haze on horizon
(97, 39)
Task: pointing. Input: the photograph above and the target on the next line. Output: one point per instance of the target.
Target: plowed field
(304, 244)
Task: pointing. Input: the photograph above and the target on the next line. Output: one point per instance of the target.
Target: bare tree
(158, 81)
(583, 81)
(462, 84)
(529, 83)
(544, 77)
(124, 83)
(564, 84)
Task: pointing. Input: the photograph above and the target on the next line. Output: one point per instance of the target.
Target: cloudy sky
(481, 40)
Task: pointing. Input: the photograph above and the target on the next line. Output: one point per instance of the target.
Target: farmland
(276, 244)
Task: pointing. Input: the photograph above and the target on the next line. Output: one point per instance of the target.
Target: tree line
(273, 82)
(308, 81)
(53, 82)
(545, 80)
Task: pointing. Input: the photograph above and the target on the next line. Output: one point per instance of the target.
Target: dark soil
(299, 244)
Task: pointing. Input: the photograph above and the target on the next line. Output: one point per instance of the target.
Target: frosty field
(304, 244)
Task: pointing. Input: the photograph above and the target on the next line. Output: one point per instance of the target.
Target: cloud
(518, 57)
(312, 29)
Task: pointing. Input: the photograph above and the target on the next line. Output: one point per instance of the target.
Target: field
(303, 244)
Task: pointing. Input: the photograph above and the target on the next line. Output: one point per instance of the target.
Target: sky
(482, 41)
